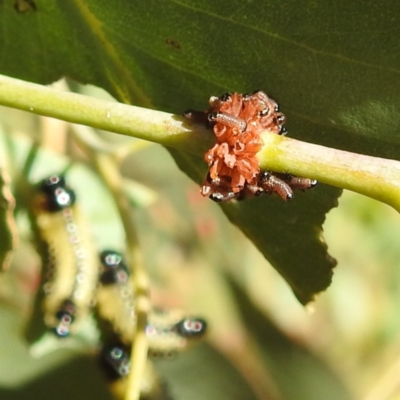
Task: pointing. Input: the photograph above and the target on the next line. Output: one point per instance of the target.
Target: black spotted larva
(71, 270)
(168, 331)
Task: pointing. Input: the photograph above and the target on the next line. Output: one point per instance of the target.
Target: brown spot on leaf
(23, 6)
(173, 43)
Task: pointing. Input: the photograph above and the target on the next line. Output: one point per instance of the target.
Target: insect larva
(168, 332)
(271, 183)
(218, 189)
(229, 120)
(72, 270)
(296, 182)
(114, 359)
(115, 300)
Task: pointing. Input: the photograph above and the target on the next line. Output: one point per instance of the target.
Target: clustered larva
(238, 121)
(76, 279)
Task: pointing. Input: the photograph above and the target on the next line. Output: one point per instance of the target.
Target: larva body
(168, 332)
(115, 300)
(114, 359)
(71, 271)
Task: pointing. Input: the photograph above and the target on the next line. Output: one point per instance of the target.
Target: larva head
(60, 199)
(226, 96)
(111, 258)
(191, 328)
(115, 360)
(65, 317)
(57, 195)
(219, 196)
(114, 269)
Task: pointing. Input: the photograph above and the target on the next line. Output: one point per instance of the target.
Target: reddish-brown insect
(237, 121)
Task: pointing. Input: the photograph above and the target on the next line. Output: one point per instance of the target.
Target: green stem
(155, 126)
(374, 177)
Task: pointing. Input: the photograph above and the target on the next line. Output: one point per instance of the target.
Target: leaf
(332, 68)
(290, 237)
(8, 231)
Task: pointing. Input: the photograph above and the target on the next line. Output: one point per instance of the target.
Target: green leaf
(290, 237)
(332, 68)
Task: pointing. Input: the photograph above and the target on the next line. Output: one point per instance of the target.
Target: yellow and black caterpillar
(71, 270)
(168, 331)
(115, 299)
(114, 359)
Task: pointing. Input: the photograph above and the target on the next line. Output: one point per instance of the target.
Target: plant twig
(374, 177)
(154, 126)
